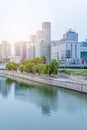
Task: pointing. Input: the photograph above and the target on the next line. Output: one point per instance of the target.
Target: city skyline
(19, 19)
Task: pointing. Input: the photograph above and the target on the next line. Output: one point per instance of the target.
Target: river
(35, 106)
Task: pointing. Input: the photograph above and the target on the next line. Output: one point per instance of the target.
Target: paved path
(58, 82)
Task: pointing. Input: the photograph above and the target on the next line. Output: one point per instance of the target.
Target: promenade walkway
(67, 83)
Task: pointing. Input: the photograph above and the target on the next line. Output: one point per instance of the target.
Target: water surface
(39, 107)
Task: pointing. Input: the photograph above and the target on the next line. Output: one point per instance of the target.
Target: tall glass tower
(46, 27)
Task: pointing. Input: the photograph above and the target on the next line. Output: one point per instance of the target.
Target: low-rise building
(83, 51)
(69, 51)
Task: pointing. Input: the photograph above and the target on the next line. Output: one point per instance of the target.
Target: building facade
(83, 51)
(68, 50)
(20, 49)
(5, 51)
(43, 41)
(30, 47)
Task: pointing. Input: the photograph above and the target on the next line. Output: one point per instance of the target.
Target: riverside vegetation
(82, 72)
(36, 65)
(39, 66)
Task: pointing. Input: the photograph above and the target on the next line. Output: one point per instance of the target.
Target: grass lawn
(74, 72)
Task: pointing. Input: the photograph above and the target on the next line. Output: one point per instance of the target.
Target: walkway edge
(58, 83)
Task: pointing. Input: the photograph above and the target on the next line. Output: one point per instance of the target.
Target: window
(67, 54)
(83, 55)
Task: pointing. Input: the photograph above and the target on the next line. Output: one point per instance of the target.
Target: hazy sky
(20, 18)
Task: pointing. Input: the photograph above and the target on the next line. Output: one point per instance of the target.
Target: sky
(21, 18)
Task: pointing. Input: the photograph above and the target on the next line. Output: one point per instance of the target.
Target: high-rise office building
(43, 41)
(30, 47)
(5, 51)
(46, 27)
(20, 49)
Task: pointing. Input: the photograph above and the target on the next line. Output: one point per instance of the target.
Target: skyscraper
(30, 47)
(46, 27)
(20, 49)
(5, 51)
(43, 41)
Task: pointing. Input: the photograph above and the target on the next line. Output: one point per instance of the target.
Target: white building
(20, 49)
(54, 50)
(30, 47)
(69, 50)
(70, 35)
(5, 51)
(43, 41)
(46, 27)
(83, 51)
(16, 59)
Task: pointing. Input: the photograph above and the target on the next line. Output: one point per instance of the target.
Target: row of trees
(36, 65)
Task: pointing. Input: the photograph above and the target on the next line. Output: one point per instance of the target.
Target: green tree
(54, 67)
(21, 68)
(26, 62)
(36, 60)
(28, 68)
(43, 60)
(11, 66)
(47, 69)
(41, 68)
(35, 69)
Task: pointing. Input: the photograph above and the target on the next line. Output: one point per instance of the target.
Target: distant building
(39, 40)
(83, 51)
(39, 44)
(46, 27)
(30, 47)
(20, 49)
(43, 41)
(69, 50)
(54, 49)
(70, 35)
(16, 59)
(5, 51)
(54, 42)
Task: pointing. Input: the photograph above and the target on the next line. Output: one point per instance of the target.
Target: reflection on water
(4, 88)
(43, 96)
(47, 98)
(60, 105)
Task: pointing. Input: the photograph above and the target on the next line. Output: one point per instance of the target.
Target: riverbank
(62, 80)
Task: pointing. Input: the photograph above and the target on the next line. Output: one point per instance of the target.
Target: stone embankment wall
(79, 79)
(58, 83)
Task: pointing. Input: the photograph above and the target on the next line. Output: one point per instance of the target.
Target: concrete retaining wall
(65, 84)
(79, 79)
